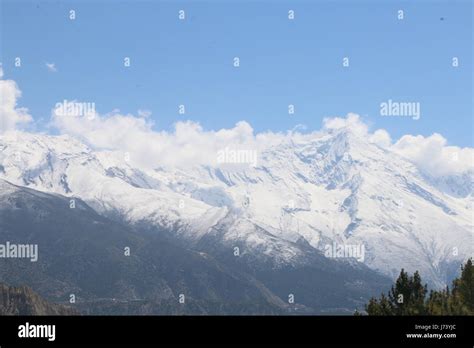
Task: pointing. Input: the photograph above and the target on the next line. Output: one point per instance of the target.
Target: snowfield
(336, 187)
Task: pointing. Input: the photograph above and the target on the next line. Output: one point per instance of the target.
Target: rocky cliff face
(24, 301)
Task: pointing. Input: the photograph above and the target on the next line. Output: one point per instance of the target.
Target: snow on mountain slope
(336, 187)
(342, 188)
(63, 165)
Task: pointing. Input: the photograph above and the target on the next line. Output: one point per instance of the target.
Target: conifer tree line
(408, 296)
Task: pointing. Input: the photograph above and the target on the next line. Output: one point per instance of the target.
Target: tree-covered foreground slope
(408, 296)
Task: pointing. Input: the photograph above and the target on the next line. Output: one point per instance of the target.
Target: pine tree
(418, 295)
(400, 293)
(408, 296)
(463, 291)
(379, 307)
(438, 302)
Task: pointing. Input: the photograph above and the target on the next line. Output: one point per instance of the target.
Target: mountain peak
(319, 188)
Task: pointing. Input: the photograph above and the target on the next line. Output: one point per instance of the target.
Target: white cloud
(433, 155)
(144, 113)
(11, 116)
(381, 138)
(351, 121)
(190, 144)
(51, 67)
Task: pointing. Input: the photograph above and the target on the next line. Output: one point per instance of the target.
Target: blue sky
(283, 62)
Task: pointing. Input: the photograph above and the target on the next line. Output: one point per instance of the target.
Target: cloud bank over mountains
(188, 144)
(433, 156)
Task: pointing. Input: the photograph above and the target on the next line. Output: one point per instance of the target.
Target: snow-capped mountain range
(335, 189)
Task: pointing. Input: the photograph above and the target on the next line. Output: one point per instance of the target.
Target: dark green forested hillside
(408, 296)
